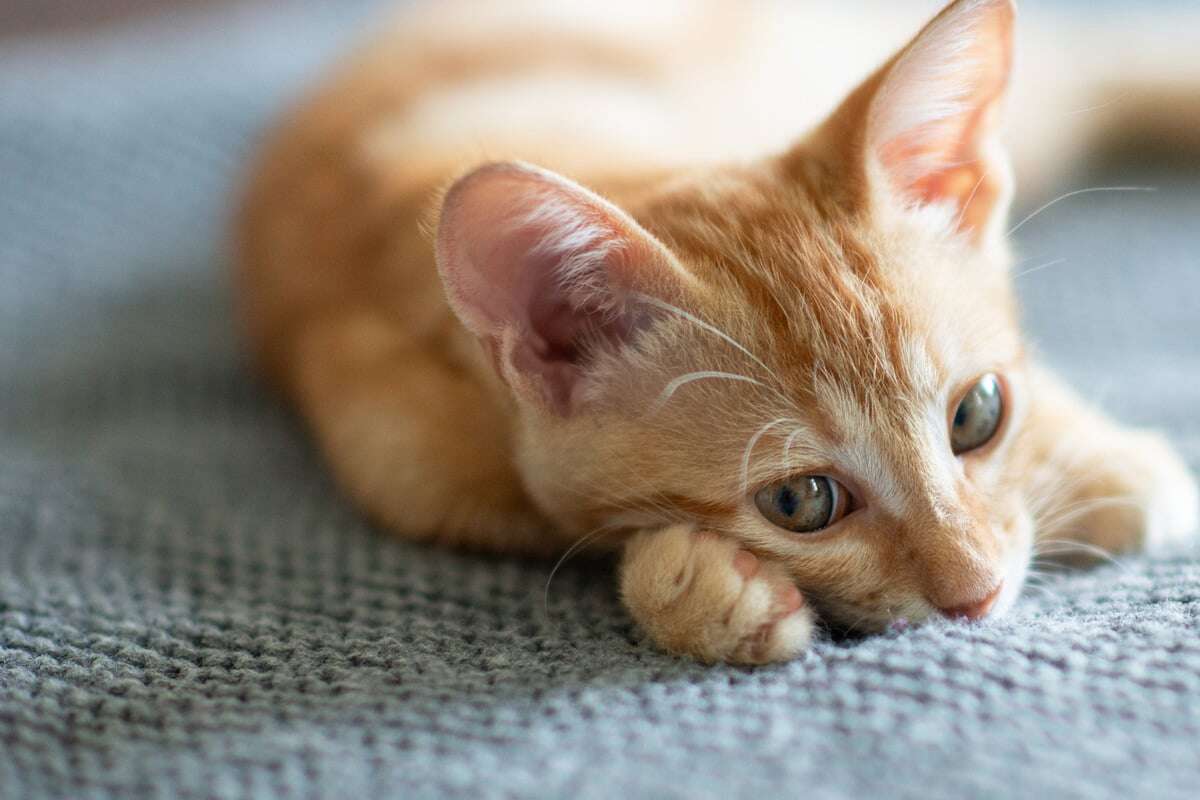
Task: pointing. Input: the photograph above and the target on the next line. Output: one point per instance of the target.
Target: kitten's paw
(1171, 501)
(699, 594)
(1145, 498)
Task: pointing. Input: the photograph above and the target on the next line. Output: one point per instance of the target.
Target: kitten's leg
(1092, 481)
(415, 439)
(699, 594)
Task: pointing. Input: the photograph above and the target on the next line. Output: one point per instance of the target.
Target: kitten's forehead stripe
(819, 295)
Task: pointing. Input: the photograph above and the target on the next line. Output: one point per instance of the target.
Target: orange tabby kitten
(783, 377)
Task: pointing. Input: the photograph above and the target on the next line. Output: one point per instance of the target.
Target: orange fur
(631, 361)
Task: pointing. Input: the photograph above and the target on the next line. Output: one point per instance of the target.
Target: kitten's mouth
(997, 603)
(851, 621)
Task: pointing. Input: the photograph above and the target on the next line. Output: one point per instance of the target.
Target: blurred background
(19, 17)
(24, 16)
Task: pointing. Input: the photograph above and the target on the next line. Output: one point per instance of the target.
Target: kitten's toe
(700, 594)
(787, 632)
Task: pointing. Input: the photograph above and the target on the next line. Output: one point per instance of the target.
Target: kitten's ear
(926, 125)
(544, 272)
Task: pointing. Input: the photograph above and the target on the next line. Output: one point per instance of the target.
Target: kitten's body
(756, 320)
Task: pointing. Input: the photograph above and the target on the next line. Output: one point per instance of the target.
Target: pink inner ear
(562, 324)
(935, 117)
(543, 272)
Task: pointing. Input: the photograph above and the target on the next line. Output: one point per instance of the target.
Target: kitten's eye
(803, 505)
(978, 416)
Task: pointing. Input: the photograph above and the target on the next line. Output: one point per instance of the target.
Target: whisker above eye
(1039, 268)
(788, 443)
(748, 453)
(692, 318)
(1098, 106)
(970, 198)
(1089, 190)
(674, 386)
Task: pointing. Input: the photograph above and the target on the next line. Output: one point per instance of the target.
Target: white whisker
(683, 380)
(1062, 546)
(788, 443)
(1040, 267)
(967, 205)
(578, 545)
(1060, 517)
(1062, 197)
(749, 452)
(1043, 590)
(1112, 101)
(654, 301)
(854, 627)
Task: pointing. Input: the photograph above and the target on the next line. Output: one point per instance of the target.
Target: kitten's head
(817, 354)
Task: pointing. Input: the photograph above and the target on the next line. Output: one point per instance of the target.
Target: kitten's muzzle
(974, 610)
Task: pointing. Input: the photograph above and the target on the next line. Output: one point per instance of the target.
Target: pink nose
(975, 610)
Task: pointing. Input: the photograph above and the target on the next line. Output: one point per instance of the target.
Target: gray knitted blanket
(188, 609)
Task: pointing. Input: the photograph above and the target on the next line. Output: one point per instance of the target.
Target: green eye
(978, 416)
(803, 505)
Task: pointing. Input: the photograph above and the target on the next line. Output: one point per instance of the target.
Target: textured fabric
(187, 609)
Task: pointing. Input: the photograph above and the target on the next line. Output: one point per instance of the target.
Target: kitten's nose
(975, 610)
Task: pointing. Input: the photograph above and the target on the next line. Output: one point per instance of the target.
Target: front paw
(1137, 496)
(699, 594)
(1172, 503)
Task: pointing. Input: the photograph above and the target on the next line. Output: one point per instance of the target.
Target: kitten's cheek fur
(1017, 569)
(699, 594)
